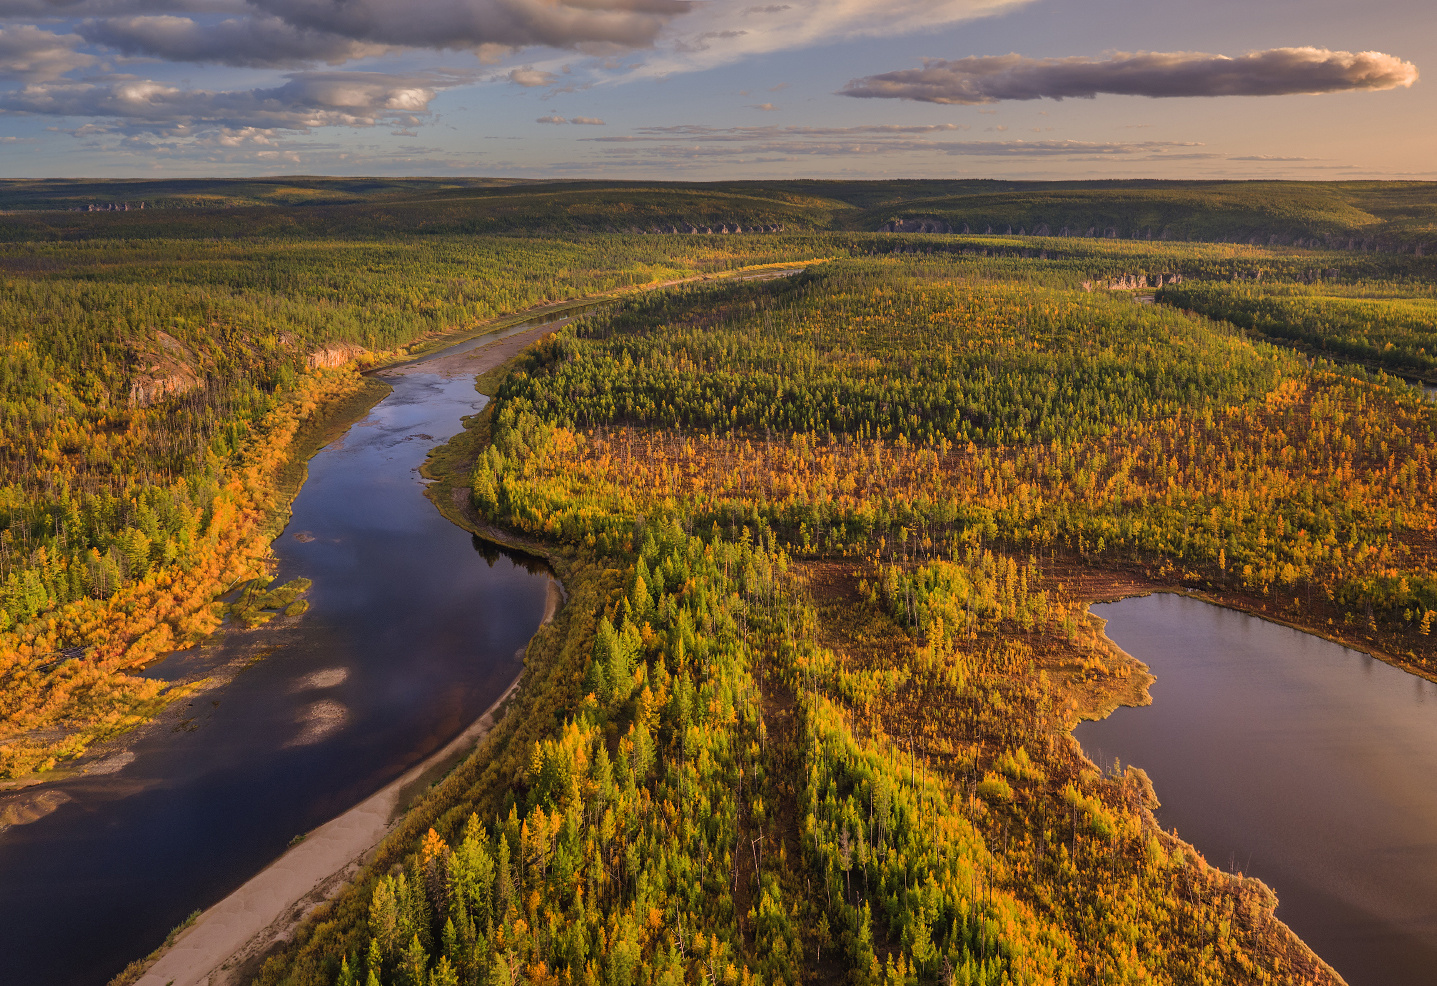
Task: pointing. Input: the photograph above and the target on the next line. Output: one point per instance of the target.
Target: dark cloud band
(246, 41)
(468, 23)
(1275, 72)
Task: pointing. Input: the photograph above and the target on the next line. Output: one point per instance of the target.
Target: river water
(414, 629)
(1293, 759)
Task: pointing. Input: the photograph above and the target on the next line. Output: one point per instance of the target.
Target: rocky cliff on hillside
(729, 228)
(333, 355)
(917, 226)
(1132, 282)
(162, 370)
(669, 229)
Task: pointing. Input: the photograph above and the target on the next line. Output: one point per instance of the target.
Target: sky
(716, 89)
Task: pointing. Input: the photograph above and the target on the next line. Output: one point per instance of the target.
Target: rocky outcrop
(153, 386)
(162, 370)
(1135, 282)
(929, 225)
(727, 227)
(333, 355)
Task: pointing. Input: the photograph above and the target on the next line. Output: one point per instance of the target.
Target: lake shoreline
(1276, 927)
(1111, 583)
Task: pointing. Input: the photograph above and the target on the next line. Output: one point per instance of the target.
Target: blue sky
(716, 89)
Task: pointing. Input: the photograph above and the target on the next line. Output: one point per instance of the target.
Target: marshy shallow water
(1296, 760)
(414, 629)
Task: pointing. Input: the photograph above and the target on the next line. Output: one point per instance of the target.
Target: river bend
(414, 629)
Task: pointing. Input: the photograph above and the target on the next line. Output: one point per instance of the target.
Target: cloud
(31, 54)
(475, 25)
(766, 107)
(692, 142)
(469, 23)
(707, 36)
(675, 35)
(529, 77)
(699, 133)
(792, 150)
(305, 102)
(248, 41)
(1277, 71)
(588, 121)
(1062, 148)
(114, 8)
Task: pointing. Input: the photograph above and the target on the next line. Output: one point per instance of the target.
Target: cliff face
(163, 370)
(1129, 282)
(333, 355)
(916, 226)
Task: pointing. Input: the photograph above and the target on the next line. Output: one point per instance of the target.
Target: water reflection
(407, 640)
(1296, 760)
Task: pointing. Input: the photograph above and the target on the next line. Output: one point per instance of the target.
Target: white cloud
(529, 77)
(305, 102)
(28, 53)
(724, 31)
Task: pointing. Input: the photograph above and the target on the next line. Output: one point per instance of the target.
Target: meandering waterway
(414, 629)
(1293, 759)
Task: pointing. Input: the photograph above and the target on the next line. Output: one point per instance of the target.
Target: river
(414, 629)
(1293, 759)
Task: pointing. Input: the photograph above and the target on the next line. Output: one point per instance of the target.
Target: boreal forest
(827, 539)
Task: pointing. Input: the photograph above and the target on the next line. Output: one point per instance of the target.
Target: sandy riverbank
(247, 923)
(227, 937)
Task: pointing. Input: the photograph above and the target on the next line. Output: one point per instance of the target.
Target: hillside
(1353, 215)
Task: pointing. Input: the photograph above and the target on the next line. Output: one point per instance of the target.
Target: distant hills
(1387, 216)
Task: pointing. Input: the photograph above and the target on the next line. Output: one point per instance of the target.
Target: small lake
(1304, 763)
(414, 629)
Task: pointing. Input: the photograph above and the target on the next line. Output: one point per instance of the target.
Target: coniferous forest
(827, 540)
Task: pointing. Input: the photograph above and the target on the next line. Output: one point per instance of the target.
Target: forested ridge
(805, 718)
(1353, 215)
(1387, 326)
